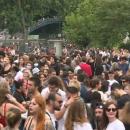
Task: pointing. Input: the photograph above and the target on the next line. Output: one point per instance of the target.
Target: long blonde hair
(76, 113)
(125, 115)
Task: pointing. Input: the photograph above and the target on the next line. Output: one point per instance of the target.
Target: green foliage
(18, 15)
(125, 46)
(59, 7)
(99, 22)
(103, 22)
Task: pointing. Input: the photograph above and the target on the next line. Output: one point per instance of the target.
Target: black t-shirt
(127, 126)
(122, 100)
(98, 69)
(19, 96)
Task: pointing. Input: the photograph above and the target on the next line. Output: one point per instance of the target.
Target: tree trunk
(22, 20)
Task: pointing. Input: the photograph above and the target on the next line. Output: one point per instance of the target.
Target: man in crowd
(54, 85)
(53, 103)
(86, 67)
(121, 96)
(98, 121)
(73, 94)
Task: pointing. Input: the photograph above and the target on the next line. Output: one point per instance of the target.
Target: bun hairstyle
(13, 116)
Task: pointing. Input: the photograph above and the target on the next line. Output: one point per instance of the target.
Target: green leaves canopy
(99, 22)
(18, 15)
(103, 22)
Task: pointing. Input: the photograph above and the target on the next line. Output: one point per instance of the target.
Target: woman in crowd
(26, 75)
(46, 72)
(98, 116)
(77, 117)
(127, 88)
(125, 116)
(111, 117)
(21, 63)
(13, 117)
(37, 119)
(7, 65)
(98, 65)
(43, 81)
(4, 84)
(7, 101)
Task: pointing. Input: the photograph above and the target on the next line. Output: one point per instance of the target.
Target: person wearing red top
(86, 67)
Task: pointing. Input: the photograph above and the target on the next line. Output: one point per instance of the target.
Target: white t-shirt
(115, 125)
(18, 76)
(45, 92)
(61, 122)
(52, 118)
(76, 69)
(84, 126)
(112, 82)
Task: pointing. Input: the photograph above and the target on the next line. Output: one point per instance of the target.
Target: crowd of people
(81, 90)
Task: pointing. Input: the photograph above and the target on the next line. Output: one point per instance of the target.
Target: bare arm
(15, 104)
(60, 114)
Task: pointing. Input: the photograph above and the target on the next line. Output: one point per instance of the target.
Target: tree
(19, 14)
(103, 22)
(59, 7)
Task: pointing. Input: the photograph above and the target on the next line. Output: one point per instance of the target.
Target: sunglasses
(111, 109)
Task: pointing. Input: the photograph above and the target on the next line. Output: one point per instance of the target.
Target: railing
(43, 22)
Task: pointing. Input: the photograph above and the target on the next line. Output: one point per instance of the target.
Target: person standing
(125, 116)
(53, 103)
(76, 118)
(111, 114)
(37, 119)
(85, 67)
(13, 119)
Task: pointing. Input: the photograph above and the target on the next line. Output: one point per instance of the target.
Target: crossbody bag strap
(49, 117)
(28, 123)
